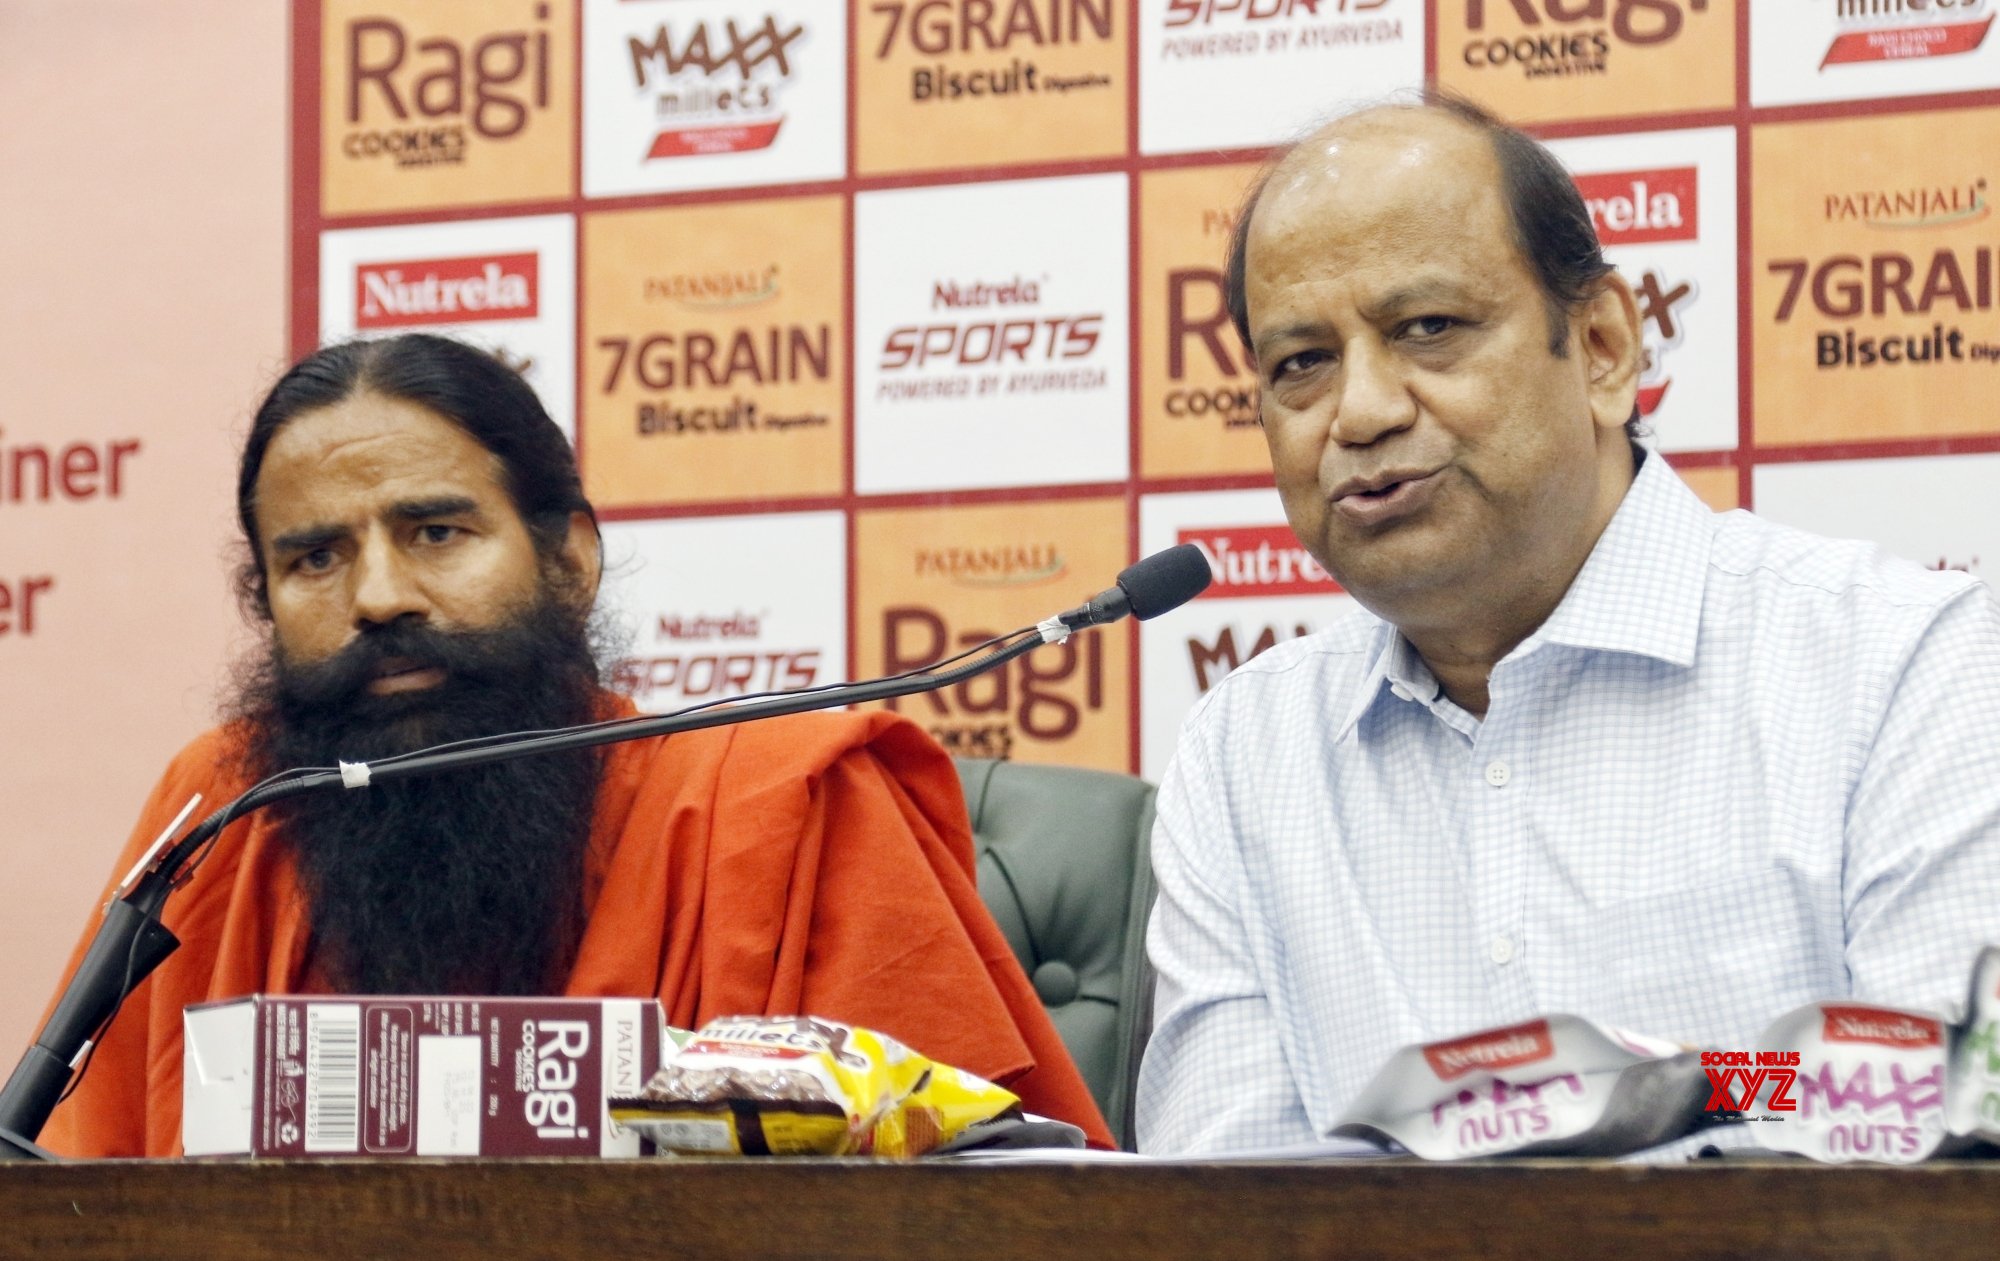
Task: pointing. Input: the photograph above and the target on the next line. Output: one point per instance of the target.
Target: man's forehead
(1384, 160)
(367, 443)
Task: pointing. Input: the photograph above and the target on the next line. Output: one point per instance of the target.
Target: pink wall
(142, 256)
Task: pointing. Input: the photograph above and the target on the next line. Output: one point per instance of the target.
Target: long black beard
(465, 882)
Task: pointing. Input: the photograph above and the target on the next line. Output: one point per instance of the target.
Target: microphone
(1147, 588)
(132, 941)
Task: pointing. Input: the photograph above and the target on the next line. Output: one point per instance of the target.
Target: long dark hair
(467, 386)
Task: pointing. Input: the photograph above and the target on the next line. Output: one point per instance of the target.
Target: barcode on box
(333, 1077)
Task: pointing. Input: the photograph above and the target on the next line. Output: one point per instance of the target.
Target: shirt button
(1501, 951)
(1497, 774)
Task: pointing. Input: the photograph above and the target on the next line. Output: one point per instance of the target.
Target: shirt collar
(1640, 592)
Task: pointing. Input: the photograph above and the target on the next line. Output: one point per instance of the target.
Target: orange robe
(820, 864)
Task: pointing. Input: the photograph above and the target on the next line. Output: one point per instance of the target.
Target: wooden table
(440, 1210)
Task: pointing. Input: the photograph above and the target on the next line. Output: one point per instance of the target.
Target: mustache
(340, 682)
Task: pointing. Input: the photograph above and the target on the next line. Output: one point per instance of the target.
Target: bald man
(1587, 746)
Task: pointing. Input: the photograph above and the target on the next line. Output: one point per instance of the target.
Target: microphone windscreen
(1165, 580)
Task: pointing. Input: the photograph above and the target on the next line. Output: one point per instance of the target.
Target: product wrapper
(800, 1086)
(1555, 1085)
(1870, 1084)
(1972, 1080)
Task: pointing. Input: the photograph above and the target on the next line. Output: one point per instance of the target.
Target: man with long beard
(424, 558)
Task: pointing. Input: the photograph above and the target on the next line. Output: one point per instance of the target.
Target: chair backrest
(1063, 868)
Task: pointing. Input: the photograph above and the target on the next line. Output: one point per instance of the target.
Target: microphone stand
(133, 941)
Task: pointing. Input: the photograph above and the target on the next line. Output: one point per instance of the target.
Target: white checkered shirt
(1739, 768)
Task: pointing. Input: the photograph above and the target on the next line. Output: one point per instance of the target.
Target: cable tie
(355, 774)
(1054, 630)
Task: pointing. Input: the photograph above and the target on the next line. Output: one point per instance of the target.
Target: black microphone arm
(132, 941)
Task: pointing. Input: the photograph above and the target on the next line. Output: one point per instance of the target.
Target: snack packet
(1559, 1084)
(1870, 1084)
(1972, 1080)
(800, 1086)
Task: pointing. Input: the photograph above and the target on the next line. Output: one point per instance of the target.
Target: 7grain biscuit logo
(446, 291)
(1945, 281)
(1898, 30)
(1003, 36)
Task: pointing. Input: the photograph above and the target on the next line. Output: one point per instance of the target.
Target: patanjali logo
(446, 291)
(714, 90)
(1916, 206)
(1897, 30)
(713, 290)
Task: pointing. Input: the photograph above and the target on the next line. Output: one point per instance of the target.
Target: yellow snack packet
(797, 1085)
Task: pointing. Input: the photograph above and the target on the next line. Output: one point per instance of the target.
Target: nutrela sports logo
(1491, 1051)
(1898, 30)
(988, 335)
(716, 87)
(1257, 560)
(446, 291)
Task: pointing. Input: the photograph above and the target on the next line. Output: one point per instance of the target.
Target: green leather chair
(1063, 867)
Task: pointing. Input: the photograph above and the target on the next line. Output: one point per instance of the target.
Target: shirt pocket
(1714, 963)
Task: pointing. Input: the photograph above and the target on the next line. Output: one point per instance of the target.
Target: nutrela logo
(1490, 1051)
(1257, 560)
(1636, 207)
(446, 291)
(1879, 1027)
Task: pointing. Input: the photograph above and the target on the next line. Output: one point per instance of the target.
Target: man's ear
(1609, 331)
(582, 561)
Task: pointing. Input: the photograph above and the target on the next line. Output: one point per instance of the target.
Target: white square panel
(687, 94)
(724, 606)
(991, 335)
(1233, 74)
(508, 285)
